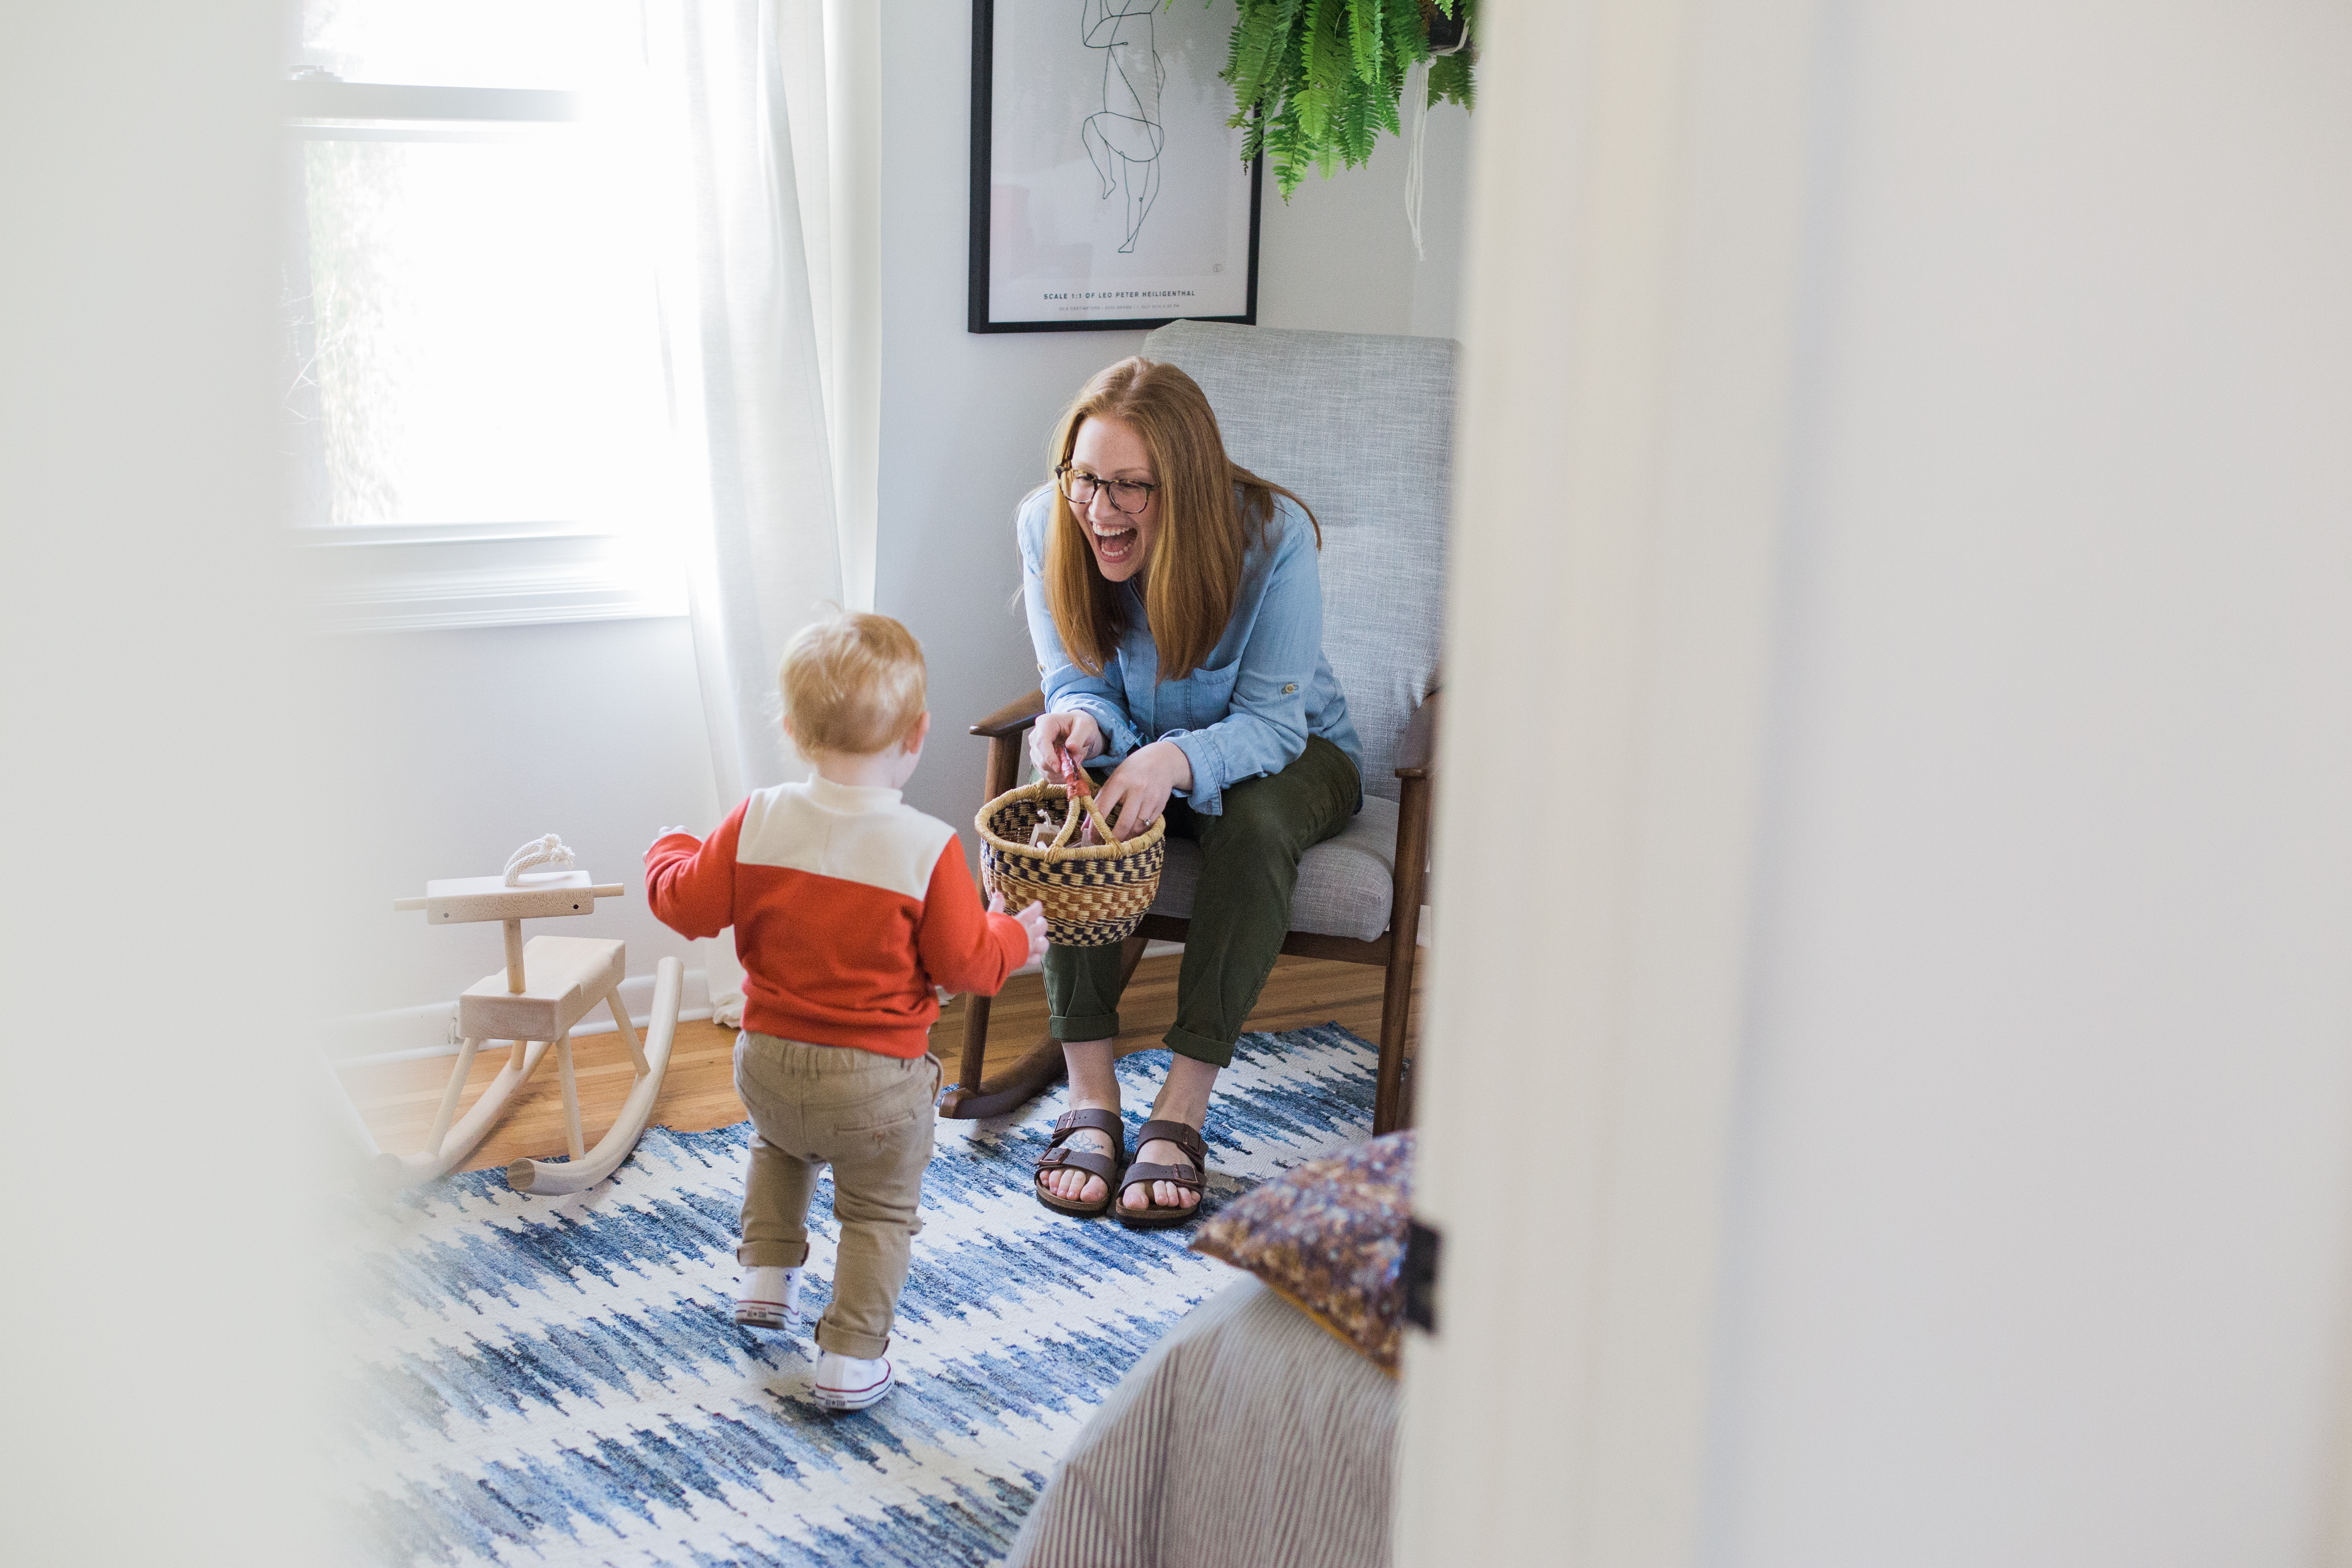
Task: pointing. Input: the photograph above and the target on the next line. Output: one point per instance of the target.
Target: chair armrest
(1012, 718)
(1416, 755)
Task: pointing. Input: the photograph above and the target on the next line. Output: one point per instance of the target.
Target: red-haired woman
(1177, 617)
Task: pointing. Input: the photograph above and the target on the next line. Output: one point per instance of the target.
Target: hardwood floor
(699, 1092)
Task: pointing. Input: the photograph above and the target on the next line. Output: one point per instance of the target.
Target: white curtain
(763, 117)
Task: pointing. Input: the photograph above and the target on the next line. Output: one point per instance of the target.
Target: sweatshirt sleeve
(964, 947)
(691, 886)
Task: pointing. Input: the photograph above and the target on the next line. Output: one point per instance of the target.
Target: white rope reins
(549, 851)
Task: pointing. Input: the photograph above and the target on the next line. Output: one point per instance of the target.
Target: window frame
(452, 575)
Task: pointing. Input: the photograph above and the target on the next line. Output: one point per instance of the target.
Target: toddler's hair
(852, 685)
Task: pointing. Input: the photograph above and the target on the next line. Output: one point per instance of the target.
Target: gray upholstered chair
(1361, 428)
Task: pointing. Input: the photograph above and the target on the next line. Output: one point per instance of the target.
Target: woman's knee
(1257, 820)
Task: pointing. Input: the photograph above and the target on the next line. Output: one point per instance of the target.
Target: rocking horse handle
(600, 890)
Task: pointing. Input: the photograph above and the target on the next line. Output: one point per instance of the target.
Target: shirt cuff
(1119, 736)
(1207, 792)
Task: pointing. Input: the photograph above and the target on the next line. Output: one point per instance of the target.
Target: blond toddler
(848, 906)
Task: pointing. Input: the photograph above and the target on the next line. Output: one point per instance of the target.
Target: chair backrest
(1362, 428)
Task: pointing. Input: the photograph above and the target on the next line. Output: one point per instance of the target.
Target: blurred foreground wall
(1893, 1106)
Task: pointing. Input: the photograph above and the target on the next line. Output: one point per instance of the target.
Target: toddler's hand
(1033, 921)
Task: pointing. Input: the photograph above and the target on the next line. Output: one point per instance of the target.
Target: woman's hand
(1033, 921)
(1053, 732)
(1142, 784)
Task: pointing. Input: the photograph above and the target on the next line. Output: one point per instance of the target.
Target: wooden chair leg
(1039, 1069)
(975, 1044)
(571, 1137)
(1405, 937)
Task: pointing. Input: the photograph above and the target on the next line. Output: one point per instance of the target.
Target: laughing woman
(1178, 616)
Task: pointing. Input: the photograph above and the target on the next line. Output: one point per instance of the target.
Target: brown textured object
(1093, 894)
(1329, 1237)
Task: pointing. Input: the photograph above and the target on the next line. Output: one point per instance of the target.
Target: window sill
(443, 578)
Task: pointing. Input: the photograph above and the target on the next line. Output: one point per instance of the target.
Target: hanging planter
(1316, 81)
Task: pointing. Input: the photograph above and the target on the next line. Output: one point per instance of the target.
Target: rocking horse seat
(564, 976)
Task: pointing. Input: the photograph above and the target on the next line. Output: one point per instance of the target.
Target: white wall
(2042, 1214)
(2004, 1214)
(480, 740)
(965, 416)
(159, 1336)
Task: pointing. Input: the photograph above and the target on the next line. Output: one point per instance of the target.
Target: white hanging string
(1416, 119)
(550, 850)
(1417, 110)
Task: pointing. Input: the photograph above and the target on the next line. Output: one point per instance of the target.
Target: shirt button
(1290, 689)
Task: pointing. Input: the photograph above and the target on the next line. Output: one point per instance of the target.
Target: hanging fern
(1316, 81)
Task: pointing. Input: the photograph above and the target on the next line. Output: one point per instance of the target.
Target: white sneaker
(769, 1297)
(845, 1383)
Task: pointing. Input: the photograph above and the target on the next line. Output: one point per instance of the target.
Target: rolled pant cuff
(842, 1341)
(773, 1254)
(1085, 1027)
(1200, 1048)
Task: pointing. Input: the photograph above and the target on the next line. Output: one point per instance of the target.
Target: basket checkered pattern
(1093, 896)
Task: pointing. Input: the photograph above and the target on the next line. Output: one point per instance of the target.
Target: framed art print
(1106, 189)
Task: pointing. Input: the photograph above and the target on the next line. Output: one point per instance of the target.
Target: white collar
(850, 797)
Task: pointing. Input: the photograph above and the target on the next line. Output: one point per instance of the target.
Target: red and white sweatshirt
(847, 906)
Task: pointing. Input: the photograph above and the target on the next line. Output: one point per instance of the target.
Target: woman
(1177, 617)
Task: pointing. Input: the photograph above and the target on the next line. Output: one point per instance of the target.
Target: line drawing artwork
(1125, 138)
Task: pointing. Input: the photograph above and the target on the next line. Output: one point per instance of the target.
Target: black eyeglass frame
(1065, 474)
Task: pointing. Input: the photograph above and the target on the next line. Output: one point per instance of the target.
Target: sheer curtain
(763, 117)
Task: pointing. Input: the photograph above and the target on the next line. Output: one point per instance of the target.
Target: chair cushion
(1362, 425)
(1345, 883)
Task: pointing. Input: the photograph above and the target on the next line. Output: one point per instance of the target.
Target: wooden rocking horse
(549, 984)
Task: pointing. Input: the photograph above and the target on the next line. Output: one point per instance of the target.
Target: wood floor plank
(398, 1099)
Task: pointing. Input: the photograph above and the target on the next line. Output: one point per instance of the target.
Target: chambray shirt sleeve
(1265, 729)
(1069, 689)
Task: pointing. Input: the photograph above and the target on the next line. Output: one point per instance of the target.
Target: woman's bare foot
(1184, 1098)
(1081, 1186)
(1161, 1195)
(1094, 1085)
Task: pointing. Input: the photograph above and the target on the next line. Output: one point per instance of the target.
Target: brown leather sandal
(1151, 1217)
(1106, 1166)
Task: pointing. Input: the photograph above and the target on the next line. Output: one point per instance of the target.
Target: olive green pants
(1241, 910)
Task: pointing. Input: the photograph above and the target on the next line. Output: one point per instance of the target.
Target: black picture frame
(978, 316)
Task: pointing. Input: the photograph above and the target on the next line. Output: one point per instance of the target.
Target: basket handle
(1070, 822)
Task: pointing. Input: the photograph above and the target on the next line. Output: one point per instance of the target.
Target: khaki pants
(870, 1118)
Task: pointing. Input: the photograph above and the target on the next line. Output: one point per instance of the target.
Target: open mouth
(1114, 546)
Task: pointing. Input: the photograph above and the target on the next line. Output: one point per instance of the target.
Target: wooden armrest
(1416, 755)
(1012, 718)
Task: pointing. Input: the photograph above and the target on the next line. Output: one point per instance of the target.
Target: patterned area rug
(558, 1380)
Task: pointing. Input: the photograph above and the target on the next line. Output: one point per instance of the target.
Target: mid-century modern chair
(1361, 428)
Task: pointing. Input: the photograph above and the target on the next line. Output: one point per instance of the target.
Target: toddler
(847, 906)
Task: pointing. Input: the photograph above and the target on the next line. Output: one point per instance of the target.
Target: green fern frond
(1316, 82)
(1364, 44)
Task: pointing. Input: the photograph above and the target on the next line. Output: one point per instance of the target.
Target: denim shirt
(1250, 707)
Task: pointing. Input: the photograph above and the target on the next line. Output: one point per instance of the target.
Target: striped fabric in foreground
(558, 1381)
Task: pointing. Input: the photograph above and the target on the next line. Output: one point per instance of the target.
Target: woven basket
(1093, 896)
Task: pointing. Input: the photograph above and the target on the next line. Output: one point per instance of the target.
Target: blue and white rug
(558, 1380)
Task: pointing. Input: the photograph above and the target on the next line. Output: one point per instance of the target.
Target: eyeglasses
(1130, 495)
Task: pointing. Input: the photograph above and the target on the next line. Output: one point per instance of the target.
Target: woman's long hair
(1210, 508)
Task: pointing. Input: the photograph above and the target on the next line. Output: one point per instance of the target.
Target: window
(477, 404)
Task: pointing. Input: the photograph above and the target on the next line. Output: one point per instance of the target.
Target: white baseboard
(411, 1034)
